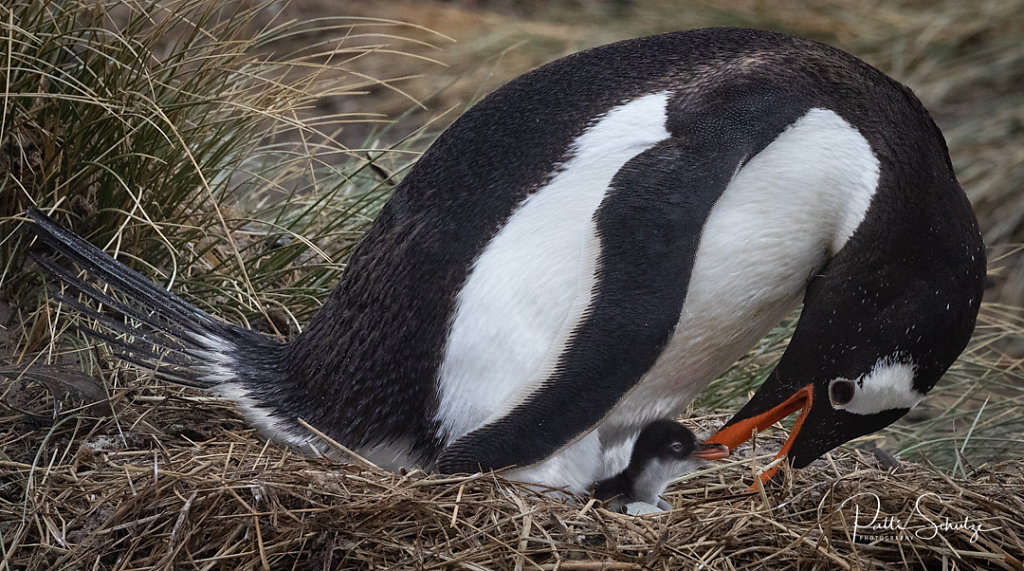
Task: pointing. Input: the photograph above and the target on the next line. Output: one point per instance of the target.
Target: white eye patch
(889, 386)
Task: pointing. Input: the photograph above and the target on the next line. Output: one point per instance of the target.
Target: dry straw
(172, 480)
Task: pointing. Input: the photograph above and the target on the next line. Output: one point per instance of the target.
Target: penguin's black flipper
(649, 226)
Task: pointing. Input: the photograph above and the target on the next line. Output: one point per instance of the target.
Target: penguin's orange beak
(741, 431)
(710, 451)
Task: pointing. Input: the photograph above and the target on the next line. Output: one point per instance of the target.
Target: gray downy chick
(663, 451)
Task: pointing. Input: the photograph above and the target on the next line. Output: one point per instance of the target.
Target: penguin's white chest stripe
(792, 205)
(531, 285)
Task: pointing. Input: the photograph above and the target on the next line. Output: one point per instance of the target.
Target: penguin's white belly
(780, 217)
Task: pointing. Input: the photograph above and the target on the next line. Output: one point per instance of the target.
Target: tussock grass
(213, 147)
(181, 136)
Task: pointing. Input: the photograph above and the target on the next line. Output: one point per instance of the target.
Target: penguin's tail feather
(147, 325)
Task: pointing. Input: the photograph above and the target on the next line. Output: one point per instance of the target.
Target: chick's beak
(710, 451)
(739, 431)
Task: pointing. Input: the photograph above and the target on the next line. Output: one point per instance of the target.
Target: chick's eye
(841, 391)
(677, 447)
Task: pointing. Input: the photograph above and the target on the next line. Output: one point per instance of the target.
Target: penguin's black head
(667, 440)
(880, 325)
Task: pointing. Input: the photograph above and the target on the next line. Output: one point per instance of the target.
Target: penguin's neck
(641, 481)
(649, 482)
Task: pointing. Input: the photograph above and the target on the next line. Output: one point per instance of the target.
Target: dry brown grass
(174, 480)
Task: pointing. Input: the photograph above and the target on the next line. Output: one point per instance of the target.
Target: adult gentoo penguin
(590, 245)
(664, 449)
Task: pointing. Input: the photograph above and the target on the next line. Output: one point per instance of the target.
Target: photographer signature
(871, 524)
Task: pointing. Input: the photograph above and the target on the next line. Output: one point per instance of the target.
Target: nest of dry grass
(165, 478)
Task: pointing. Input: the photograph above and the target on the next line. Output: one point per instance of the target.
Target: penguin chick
(664, 450)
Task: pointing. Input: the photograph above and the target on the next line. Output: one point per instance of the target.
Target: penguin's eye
(676, 447)
(840, 392)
